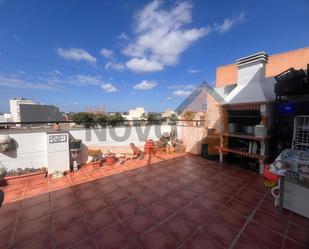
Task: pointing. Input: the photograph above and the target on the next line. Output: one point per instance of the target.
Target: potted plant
(3, 171)
(96, 157)
(110, 158)
(75, 143)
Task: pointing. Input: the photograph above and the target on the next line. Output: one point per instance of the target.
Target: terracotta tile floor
(175, 201)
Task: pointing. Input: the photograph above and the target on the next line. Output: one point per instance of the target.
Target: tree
(151, 118)
(115, 119)
(143, 119)
(83, 118)
(101, 119)
(173, 119)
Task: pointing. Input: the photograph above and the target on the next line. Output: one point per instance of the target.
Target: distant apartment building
(25, 110)
(15, 107)
(5, 118)
(135, 114)
(168, 112)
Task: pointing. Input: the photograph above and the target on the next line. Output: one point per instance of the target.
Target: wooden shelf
(242, 153)
(244, 136)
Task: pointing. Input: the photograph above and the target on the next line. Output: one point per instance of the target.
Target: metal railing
(98, 124)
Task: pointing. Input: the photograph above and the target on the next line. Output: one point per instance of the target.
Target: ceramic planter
(110, 160)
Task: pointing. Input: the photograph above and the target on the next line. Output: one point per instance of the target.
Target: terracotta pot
(110, 160)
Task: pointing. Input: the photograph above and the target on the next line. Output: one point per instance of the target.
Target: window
(204, 106)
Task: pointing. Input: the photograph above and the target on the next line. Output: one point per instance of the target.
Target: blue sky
(127, 54)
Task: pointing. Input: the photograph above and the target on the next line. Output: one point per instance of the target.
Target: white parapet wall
(30, 151)
(120, 136)
(192, 137)
(34, 149)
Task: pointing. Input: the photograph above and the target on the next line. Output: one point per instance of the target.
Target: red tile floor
(180, 201)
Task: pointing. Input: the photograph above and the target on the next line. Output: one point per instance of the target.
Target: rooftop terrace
(167, 201)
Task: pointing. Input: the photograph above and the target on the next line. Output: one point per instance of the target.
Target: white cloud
(57, 72)
(142, 65)
(112, 65)
(21, 72)
(86, 80)
(107, 53)
(123, 36)
(194, 71)
(109, 88)
(76, 54)
(181, 93)
(161, 36)
(184, 86)
(145, 85)
(169, 98)
(228, 23)
(75, 103)
(13, 82)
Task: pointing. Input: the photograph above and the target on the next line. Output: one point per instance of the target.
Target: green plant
(101, 119)
(83, 118)
(95, 154)
(173, 119)
(113, 119)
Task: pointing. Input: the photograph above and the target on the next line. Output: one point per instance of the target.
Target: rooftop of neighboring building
(299, 58)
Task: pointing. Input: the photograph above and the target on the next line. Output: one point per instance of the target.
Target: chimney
(251, 69)
(252, 86)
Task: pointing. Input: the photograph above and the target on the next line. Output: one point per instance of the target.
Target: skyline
(147, 53)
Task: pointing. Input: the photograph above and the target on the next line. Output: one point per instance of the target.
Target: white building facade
(135, 114)
(15, 107)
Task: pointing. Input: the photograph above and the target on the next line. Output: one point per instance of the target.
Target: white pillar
(57, 152)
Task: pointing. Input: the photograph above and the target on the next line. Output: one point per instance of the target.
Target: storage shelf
(242, 153)
(245, 136)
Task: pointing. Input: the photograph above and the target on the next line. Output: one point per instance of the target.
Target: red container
(110, 160)
(149, 147)
(270, 176)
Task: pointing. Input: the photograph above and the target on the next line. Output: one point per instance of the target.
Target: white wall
(30, 152)
(104, 136)
(32, 147)
(192, 138)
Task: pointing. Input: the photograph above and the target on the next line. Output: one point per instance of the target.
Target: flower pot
(110, 160)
